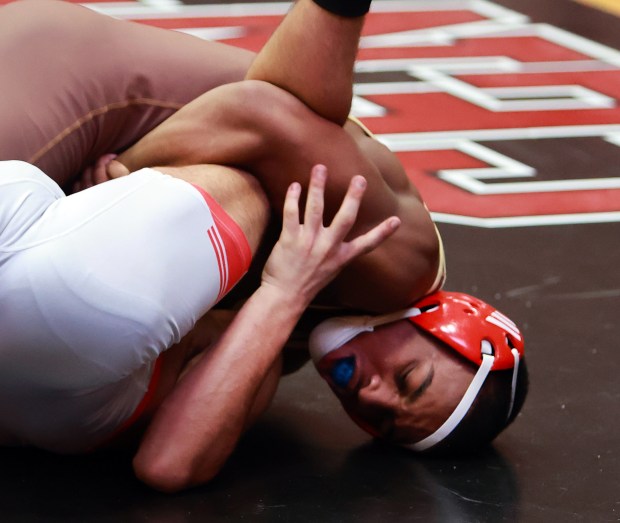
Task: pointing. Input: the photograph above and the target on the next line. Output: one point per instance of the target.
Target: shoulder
(405, 267)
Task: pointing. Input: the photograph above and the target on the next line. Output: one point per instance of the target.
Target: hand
(308, 256)
(106, 168)
(94, 174)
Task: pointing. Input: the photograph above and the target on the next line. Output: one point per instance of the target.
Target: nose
(378, 394)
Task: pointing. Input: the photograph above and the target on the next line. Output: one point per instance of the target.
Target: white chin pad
(335, 332)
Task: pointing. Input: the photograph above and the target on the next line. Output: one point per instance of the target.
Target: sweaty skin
(274, 136)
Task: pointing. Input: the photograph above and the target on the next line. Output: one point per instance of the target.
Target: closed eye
(403, 377)
(421, 389)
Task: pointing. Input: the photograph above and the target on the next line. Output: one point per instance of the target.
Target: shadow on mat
(271, 477)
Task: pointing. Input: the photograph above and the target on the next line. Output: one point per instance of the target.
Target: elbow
(168, 476)
(158, 476)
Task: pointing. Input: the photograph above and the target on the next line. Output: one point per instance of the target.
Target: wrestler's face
(397, 382)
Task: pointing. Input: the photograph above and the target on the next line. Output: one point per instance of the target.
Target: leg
(235, 191)
(63, 114)
(116, 281)
(312, 55)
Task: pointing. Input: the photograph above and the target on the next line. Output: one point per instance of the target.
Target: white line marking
(527, 221)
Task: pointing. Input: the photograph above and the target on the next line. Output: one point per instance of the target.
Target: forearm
(198, 426)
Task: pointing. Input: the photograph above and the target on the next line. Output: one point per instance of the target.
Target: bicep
(269, 133)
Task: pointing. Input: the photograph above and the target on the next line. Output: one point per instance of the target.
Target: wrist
(282, 300)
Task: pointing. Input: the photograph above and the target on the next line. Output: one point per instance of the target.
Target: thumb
(116, 169)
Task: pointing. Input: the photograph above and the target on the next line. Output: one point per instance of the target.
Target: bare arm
(199, 424)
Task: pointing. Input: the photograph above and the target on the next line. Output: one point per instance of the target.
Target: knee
(249, 118)
(259, 96)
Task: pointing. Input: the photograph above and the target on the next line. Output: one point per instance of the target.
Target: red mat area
(467, 74)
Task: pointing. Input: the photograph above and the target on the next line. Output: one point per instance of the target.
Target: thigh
(77, 84)
(105, 280)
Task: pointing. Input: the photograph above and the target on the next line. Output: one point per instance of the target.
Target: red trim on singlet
(231, 247)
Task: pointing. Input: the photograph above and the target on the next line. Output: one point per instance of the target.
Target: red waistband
(230, 244)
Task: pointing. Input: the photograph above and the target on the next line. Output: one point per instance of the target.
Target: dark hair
(486, 418)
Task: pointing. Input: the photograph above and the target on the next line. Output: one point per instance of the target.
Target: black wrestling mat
(506, 116)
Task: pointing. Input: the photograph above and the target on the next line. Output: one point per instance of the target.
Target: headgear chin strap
(468, 399)
(473, 328)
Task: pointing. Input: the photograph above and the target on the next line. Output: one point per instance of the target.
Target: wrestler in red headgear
(449, 365)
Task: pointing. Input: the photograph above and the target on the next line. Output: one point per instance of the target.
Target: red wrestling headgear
(475, 329)
(464, 322)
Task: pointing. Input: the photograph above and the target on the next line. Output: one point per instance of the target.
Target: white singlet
(93, 288)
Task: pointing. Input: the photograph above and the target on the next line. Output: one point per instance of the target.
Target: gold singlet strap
(357, 122)
(440, 278)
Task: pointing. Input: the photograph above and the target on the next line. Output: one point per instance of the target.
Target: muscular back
(405, 267)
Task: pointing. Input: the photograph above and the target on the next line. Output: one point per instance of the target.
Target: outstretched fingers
(373, 238)
(345, 219)
(347, 213)
(290, 214)
(309, 255)
(315, 202)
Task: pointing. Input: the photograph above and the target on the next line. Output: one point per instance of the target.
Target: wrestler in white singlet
(94, 287)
